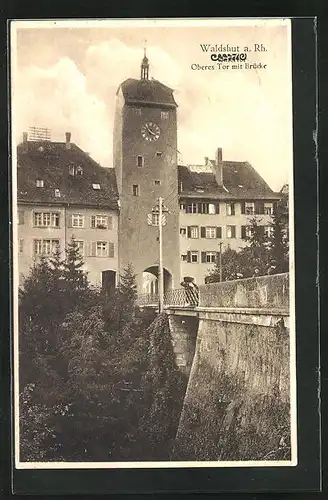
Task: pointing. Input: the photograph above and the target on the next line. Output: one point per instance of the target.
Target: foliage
(262, 255)
(166, 387)
(279, 245)
(90, 387)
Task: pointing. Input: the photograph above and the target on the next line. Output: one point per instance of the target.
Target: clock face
(150, 131)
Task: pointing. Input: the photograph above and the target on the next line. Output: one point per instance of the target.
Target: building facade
(63, 193)
(218, 201)
(113, 212)
(145, 161)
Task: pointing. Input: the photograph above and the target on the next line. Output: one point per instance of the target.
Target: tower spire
(145, 66)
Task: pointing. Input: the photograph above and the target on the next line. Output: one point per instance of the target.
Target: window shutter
(21, 216)
(232, 209)
(233, 231)
(110, 222)
(203, 257)
(219, 232)
(217, 208)
(110, 249)
(203, 232)
(242, 207)
(189, 232)
(70, 221)
(259, 207)
(93, 221)
(243, 232)
(94, 249)
(188, 256)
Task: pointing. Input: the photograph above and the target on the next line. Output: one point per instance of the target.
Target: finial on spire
(145, 65)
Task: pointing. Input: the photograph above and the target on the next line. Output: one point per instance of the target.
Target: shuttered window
(193, 232)
(80, 245)
(45, 247)
(46, 219)
(211, 232)
(249, 208)
(77, 220)
(100, 249)
(192, 257)
(268, 208)
(208, 257)
(99, 221)
(211, 257)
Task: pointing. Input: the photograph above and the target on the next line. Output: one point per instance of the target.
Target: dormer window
(39, 183)
(75, 170)
(57, 193)
(200, 189)
(159, 154)
(96, 186)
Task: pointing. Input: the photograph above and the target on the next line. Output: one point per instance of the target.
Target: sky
(65, 78)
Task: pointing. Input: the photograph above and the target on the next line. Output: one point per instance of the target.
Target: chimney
(217, 167)
(25, 144)
(206, 160)
(68, 139)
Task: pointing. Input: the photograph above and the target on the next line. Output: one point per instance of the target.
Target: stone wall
(183, 335)
(237, 403)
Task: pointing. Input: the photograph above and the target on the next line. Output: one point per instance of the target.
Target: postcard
(154, 287)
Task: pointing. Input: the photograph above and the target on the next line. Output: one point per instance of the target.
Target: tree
(75, 277)
(120, 309)
(165, 387)
(256, 238)
(230, 267)
(278, 244)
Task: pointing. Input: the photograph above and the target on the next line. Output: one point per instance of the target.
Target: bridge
(261, 301)
(234, 348)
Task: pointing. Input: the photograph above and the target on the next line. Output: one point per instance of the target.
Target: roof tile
(50, 162)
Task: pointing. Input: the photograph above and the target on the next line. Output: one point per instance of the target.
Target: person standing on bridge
(192, 291)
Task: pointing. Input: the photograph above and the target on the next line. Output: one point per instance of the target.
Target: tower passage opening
(150, 280)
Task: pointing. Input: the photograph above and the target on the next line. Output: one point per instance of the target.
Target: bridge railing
(260, 292)
(147, 299)
(177, 297)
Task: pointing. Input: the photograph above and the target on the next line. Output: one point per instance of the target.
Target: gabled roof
(147, 92)
(50, 162)
(240, 181)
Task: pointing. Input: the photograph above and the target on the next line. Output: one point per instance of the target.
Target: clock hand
(152, 133)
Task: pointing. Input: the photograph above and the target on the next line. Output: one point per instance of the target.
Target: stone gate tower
(145, 160)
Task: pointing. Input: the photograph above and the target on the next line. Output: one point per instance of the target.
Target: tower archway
(150, 280)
